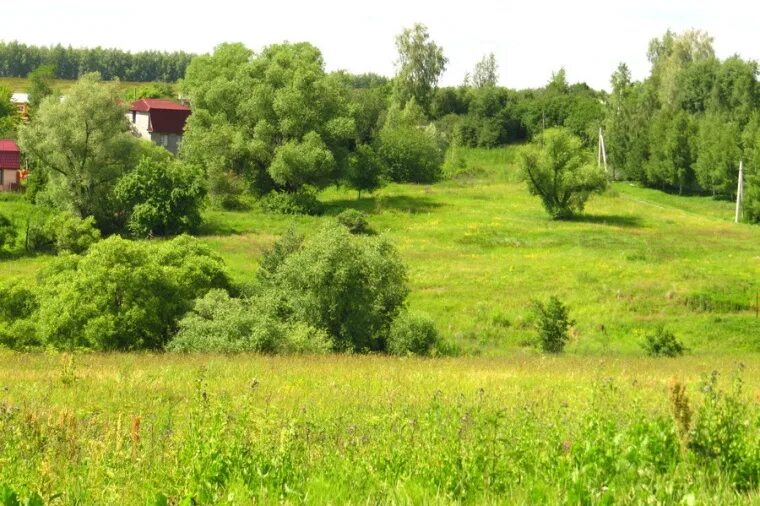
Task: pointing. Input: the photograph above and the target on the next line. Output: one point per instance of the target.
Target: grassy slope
(479, 250)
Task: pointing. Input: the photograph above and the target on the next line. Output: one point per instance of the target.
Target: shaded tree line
(481, 114)
(688, 124)
(18, 60)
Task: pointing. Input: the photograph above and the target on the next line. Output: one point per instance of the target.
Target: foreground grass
(157, 429)
(479, 249)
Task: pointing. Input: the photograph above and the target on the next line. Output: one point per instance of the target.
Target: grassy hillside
(479, 249)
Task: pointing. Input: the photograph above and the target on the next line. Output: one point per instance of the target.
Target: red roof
(10, 155)
(166, 116)
(149, 104)
(9, 145)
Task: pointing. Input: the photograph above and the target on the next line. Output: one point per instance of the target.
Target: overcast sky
(529, 38)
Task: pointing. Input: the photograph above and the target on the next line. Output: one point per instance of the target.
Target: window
(134, 116)
(164, 140)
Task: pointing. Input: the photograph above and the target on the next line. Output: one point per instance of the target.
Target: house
(21, 101)
(158, 120)
(10, 165)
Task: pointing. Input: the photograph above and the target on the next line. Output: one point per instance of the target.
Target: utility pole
(601, 153)
(739, 191)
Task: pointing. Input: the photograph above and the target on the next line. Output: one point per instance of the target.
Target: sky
(530, 39)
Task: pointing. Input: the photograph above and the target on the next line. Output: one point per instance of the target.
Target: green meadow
(479, 248)
(502, 424)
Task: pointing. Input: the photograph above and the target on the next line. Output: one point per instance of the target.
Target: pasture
(479, 249)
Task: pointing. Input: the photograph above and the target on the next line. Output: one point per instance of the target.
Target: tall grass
(154, 429)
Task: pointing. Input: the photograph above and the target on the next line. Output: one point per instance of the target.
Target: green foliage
(557, 169)
(413, 334)
(276, 120)
(725, 433)
(304, 201)
(8, 233)
(751, 202)
(40, 84)
(662, 343)
(220, 323)
(19, 59)
(412, 152)
(355, 221)
(9, 118)
(689, 123)
(366, 170)
(552, 322)
(84, 145)
(151, 90)
(718, 155)
(350, 287)
(486, 72)
(59, 232)
(161, 196)
(122, 295)
(420, 63)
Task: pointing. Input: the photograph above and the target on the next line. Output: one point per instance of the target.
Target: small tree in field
(558, 169)
(552, 320)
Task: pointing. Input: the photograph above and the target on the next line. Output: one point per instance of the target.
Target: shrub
(161, 196)
(348, 286)
(662, 343)
(61, 232)
(557, 169)
(123, 295)
(355, 221)
(303, 201)
(220, 323)
(412, 334)
(552, 323)
(7, 233)
(17, 304)
(365, 170)
(413, 153)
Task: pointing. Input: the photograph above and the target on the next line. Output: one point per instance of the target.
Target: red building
(158, 120)
(10, 165)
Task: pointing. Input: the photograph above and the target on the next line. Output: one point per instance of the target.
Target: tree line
(18, 60)
(686, 127)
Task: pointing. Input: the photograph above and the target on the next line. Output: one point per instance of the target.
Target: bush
(303, 201)
(17, 304)
(557, 169)
(161, 196)
(7, 233)
(122, 295)
(552, 323)
(61, 232)
(412, 335)
(662, 343)
(412, 153)
(355, 221)
(347, 286)
(222, 324)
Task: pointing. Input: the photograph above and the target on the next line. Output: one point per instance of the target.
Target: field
(158, 429)
(479, 249)
(21, 84)
(500, 425)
